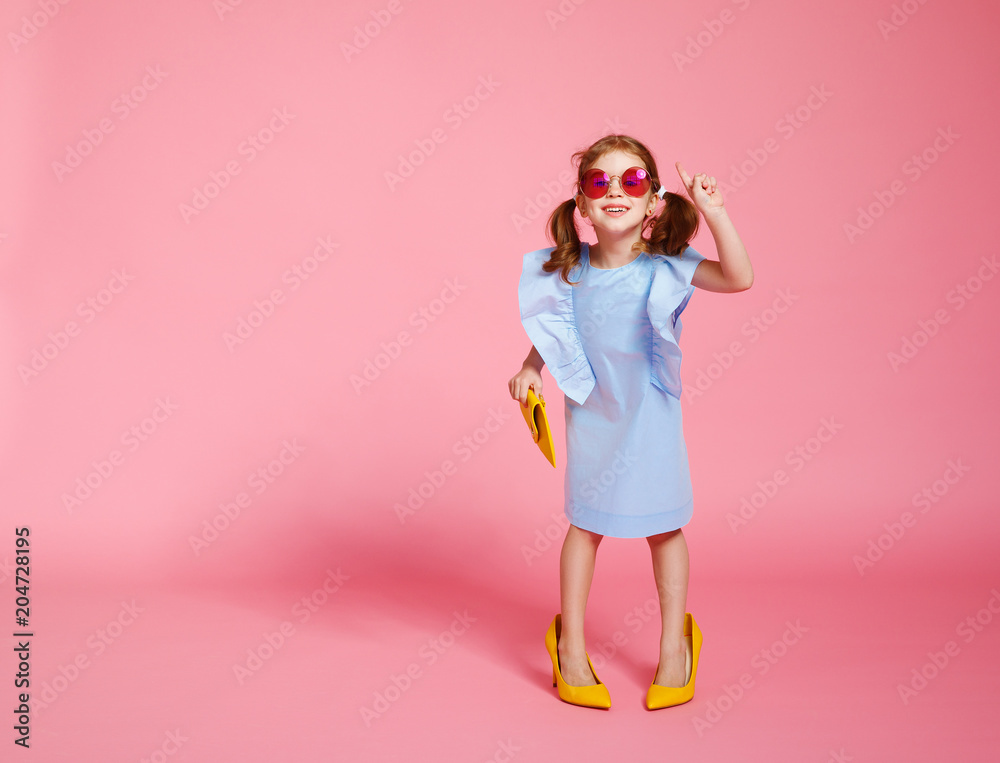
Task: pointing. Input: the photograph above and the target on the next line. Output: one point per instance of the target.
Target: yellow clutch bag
(534, 415)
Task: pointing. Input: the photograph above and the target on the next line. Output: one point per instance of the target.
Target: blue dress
(611, 344)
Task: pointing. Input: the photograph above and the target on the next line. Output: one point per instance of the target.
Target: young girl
(610, 340)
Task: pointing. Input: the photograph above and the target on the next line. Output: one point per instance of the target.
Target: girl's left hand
(702, 189)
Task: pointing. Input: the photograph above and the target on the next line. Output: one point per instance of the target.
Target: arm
(733, 271)
(534, 360)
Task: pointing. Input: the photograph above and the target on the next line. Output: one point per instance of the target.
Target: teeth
(615, 209)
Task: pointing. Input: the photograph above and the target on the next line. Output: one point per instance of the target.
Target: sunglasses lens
(636, 181)
(595, 184)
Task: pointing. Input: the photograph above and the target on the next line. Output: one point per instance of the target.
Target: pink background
(820, 109)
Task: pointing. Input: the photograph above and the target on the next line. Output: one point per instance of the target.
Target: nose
(611, 186)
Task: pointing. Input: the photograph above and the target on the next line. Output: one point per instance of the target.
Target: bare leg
(576, 571)
(671, 569)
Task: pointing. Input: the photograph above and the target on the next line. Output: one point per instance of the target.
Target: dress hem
(618, 526)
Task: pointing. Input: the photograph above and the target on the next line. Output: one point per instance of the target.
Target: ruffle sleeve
(546, 305)
(669, 294)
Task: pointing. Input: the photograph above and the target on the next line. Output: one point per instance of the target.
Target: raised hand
(702, 189)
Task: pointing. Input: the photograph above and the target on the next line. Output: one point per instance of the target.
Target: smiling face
(617, 213)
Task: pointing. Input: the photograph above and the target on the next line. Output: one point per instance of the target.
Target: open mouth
(615, 211)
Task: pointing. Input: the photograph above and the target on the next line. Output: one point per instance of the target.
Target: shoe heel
(554, 682)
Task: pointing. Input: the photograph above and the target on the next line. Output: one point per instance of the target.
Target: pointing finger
(684, 176)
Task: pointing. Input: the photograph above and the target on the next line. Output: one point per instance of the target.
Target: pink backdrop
(259, 265)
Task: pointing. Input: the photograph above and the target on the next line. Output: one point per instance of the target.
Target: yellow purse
(534, 416)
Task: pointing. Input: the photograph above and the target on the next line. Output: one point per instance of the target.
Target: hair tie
(662, 192)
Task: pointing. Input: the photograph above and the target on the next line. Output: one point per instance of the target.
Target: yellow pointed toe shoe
(668, 696)
(587, 696)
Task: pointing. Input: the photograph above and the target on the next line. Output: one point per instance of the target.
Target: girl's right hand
(526, 378)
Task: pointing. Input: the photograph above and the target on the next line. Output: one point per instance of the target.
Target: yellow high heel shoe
(586, 696)
(668, 696)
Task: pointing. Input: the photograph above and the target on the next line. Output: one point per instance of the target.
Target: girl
(610, 339)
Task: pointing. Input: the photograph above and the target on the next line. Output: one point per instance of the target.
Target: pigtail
(562, 231)
(675, 226)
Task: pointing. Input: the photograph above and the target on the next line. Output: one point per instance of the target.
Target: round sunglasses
(635, 181)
